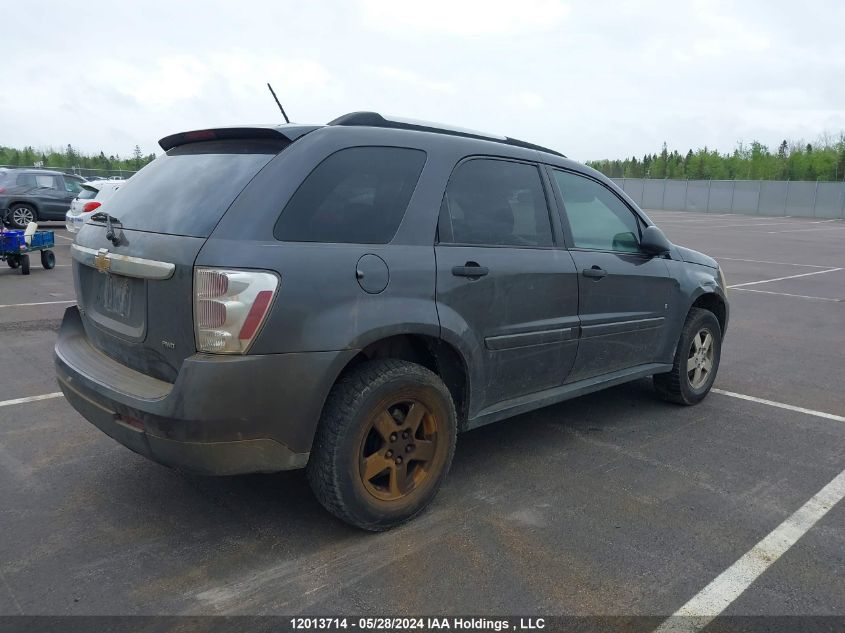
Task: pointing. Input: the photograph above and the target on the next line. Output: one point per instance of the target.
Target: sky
(598, 79)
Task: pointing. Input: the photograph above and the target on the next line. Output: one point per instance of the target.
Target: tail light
(2, 189)
(90, 206)
(230, 307)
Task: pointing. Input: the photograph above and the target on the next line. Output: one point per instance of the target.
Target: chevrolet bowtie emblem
(102, 261)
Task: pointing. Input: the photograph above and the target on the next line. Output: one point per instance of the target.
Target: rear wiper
(102, 216)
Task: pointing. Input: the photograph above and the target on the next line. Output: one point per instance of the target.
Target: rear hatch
(136, 297)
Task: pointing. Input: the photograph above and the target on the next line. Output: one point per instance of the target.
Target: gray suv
(346, 298)
(30, 195)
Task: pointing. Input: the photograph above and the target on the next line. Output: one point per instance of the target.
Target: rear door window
(187, 190)
(495, 203)
(357, 195)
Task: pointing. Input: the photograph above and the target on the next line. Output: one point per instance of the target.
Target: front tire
(24, 264)
(696, 360)
(384, 444)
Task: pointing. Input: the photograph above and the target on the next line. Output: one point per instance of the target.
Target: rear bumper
(224, 415)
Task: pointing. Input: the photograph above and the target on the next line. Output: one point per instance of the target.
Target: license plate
(115, 296)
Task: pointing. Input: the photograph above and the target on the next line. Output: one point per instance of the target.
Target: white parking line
(824, 228)
(744, 224)
(781, 405)
(786, 294)
(766, 281)
(46, 396)
(707, 604)
(794, 222)
(690, 217)
(692, 214)
(765, 261)
(740, 221)
(62, 237)
(37, 303)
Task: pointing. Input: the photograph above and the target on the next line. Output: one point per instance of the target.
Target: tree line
(72, 159)
(824, 160)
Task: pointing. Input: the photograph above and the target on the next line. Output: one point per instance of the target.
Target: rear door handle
(595, 272)
(470, 269)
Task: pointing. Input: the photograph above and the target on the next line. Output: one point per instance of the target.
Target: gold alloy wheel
(398, 450)
(700, 358)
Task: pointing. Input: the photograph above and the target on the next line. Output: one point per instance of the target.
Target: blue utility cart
(15, 251)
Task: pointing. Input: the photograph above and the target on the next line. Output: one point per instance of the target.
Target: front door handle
(596, 272)
(471, 270)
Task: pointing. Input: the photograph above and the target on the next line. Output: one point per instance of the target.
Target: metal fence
(754, 197)
(86, 172)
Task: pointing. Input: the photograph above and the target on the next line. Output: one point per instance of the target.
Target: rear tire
(13, 261)
(696, 360)
(48, 260)
(384, 444)
(24, 264)
(20, 215)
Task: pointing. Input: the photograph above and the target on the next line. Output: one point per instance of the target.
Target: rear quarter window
(357, 195)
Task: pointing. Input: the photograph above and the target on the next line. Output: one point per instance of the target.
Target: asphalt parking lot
(613, 504)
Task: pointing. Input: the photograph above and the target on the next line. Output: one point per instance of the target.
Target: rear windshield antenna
(272, 92)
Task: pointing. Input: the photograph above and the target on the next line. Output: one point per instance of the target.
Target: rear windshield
(187, 190)
(87, 194)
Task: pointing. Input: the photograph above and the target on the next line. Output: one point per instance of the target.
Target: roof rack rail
(374, 119)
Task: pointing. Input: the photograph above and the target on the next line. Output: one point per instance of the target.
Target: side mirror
(654, 242)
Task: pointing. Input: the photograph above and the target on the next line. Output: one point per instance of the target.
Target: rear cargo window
(357, 195)
(187, 190)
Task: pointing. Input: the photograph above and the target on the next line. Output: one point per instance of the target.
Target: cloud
(465, 17)
(528, 99)
(593, 79)
(409, 77)
(159, 83)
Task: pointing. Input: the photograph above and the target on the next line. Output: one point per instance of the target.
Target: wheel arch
(715, 303)
(29, 203)
(430, 351)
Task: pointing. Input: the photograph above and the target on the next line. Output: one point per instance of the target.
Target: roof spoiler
(287, 133)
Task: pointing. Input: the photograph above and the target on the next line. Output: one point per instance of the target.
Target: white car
(93, 195)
